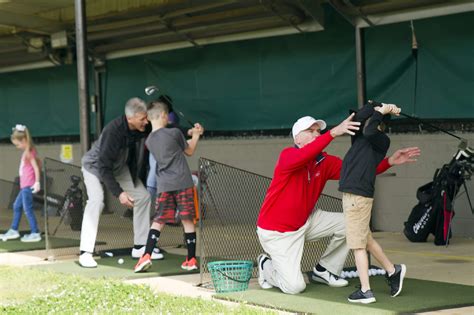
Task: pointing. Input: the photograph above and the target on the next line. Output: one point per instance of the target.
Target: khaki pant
(95, 205)
(286, 250)
(357, 212)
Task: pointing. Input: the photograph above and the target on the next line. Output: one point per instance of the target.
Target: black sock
(153, 237)
(320, 268)
(83, 251)
(138, 246)
(191, 244)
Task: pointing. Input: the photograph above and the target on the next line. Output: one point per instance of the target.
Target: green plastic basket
(230, 275)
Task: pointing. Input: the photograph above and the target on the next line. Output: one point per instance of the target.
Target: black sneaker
(362, 297)
(395, 281)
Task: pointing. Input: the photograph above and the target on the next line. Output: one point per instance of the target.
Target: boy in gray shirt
(175, 185)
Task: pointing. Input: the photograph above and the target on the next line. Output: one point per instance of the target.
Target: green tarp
(267, 83)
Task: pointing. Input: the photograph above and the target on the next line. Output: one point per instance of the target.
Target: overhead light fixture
(59, 40)
(35, 44)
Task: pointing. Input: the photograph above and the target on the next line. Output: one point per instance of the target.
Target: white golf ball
(120, 261)
(4, 239)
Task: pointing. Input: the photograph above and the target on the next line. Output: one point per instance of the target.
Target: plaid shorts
(170, 204)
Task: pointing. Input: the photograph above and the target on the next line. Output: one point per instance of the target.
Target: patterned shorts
(170, 204)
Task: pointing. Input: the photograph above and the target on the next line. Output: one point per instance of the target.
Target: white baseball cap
(305, 123)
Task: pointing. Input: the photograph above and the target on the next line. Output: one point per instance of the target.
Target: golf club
(420, 121)
(149, 90)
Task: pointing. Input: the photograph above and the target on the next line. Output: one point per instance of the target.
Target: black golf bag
(434, 211)
(72, 209)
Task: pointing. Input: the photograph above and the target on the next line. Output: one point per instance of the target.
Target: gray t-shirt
(167, 146)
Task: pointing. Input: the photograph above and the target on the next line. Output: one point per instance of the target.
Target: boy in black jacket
(357, 181)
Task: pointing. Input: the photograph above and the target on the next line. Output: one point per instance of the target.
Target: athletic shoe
(31, 238)
(143, 263)
(191, 264)
(328, 278)
(262, 258)
(11, 235)
(184, 265)
(87, 261)
(395, 281)
(155, 255)
(362, 297)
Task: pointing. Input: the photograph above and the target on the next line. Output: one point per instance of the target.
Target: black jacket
(369, 147)
(117, 147)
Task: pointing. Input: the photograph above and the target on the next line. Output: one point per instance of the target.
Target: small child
(174, 182)
(29, 185)
(357, 181)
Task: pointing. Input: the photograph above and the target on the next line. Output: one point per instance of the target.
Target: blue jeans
(24, 201)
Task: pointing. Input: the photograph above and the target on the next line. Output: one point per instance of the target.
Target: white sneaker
(87, 261)
(31, 238)
(261, 278)
(328, 278)
(156, 255)
(10, 235)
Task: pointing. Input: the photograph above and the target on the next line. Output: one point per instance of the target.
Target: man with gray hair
(118, 160)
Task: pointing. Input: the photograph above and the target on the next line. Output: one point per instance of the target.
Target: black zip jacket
(369, 147)
(117, 147)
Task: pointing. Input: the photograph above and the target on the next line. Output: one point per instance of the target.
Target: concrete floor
(454, 264)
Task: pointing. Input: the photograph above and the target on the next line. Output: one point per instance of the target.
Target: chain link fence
(230, 201)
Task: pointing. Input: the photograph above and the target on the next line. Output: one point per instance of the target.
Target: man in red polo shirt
(287, 219)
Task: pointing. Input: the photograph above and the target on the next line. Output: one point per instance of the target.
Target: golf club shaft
(182, 115)
(430, 125)
(419, 121)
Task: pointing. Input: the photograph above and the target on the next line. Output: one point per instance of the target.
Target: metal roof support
(360, 64)
(82, 75)
(174, 30)
(421, 13)
(275, 12)
(359, 11)
(339, 10)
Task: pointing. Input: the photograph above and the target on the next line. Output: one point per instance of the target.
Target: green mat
(109, 267)
(19, 246)
(417, 295)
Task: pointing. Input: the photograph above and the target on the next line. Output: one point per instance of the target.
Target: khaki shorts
(357, 211)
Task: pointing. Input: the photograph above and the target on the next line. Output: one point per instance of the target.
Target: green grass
(32, 291)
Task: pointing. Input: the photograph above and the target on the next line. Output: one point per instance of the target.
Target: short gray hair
(134, 106)
(156, 108)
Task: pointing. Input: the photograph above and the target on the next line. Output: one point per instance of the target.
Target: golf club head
(149, 90)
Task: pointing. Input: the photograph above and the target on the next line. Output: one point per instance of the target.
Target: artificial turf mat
(109, 267)
(19, 246)
(417, 295)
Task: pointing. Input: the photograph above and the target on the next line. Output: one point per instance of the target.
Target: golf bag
(435, 208)
(72, 210)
